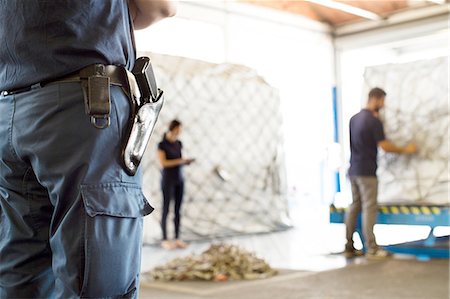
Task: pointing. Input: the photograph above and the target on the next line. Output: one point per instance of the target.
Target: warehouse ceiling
(342, 12)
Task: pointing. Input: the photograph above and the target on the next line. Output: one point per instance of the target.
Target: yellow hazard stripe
(395, 210)
(426, 210)
(435, 210)
(415, 210)
(384, 210)
(337, 210)
(405, 210)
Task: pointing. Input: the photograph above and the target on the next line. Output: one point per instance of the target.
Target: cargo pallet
(427, 215)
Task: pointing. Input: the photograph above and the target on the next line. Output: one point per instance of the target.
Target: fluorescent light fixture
(348, 9)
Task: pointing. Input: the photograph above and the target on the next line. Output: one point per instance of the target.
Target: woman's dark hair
(174, 124)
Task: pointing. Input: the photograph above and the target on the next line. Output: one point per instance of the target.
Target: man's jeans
(364, 192)
(70, 217)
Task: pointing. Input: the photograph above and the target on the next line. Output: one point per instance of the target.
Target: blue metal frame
(337, 176)
(432, 216)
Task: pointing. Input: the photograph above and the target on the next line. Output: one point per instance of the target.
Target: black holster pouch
(96, 86)
(148, 101)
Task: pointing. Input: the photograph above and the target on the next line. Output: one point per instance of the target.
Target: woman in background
(172, 183)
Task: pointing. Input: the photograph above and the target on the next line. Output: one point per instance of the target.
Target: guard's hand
(410, 148)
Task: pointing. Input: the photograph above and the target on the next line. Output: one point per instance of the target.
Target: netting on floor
(417, 110)
(231, 125)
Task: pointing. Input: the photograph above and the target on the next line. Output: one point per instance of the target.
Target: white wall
(292, 53)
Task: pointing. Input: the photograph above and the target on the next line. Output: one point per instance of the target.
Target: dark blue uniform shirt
(172, 151)
(47, 39)
(366, 131)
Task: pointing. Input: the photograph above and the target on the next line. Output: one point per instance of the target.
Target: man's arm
(146, 12)
(389, 147)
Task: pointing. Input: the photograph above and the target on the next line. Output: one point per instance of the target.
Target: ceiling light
(348, 8)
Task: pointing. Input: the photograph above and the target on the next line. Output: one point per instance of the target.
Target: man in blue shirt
(366, 134)
(70, 216)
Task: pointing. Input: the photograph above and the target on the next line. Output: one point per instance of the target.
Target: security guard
(70, 216)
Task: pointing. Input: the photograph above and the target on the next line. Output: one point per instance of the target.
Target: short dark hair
(174, 124)
(377, 93)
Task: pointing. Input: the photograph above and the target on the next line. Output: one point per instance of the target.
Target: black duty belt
(115, 73)
(139, 85)
(95, 81)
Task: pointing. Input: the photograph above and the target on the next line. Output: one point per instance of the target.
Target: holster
(145, 100)
(141, 124)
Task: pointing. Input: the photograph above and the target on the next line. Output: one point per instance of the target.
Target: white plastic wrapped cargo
(232, 126)
(417, 110)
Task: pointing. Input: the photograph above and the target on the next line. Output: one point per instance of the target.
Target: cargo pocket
(112, 239)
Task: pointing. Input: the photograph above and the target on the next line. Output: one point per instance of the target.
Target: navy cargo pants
(70, 217)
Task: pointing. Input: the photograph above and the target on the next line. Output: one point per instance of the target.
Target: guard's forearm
(147, 12)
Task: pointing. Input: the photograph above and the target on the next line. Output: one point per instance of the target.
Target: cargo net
(220, 262)
(417, 110)
(231, 125)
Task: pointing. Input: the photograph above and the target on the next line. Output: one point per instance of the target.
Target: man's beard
(377, 109)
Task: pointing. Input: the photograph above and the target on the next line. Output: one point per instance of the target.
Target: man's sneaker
(378, 254)
(352, 252)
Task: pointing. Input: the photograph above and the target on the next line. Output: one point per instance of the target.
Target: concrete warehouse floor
(317, 271)
(391, 279)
